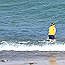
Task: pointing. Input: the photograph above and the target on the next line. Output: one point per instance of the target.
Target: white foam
(24, 42)
(23, 47)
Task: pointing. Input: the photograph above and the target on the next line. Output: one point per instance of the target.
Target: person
(52, 32)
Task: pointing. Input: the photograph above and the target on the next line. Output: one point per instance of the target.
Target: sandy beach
(32, 58)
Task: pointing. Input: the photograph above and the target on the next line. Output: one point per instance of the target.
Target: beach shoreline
(35, 57)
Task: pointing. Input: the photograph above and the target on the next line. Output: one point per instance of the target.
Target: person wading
(52, 32)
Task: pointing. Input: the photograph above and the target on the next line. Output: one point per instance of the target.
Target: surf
(40, 45)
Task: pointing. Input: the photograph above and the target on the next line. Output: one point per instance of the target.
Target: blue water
(28, 20)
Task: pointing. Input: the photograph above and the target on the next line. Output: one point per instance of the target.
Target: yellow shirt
(51, 30)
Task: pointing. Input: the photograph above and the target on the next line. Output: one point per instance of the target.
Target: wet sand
(34, 57)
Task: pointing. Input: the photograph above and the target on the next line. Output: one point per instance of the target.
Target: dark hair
(52, 23)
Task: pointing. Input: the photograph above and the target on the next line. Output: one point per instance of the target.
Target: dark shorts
(51, 37)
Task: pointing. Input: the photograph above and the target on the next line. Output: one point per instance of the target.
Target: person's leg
(50, 38)
(53, 40)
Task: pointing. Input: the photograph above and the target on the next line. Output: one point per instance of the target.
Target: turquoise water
(28, 20)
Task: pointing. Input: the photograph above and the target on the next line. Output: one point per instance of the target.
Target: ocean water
(24, 24)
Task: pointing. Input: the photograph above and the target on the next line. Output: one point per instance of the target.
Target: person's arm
(55, 30)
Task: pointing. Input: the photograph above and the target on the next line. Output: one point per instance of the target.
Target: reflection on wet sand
(53, 62)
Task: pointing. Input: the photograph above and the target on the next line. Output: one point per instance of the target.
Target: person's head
(53, 24)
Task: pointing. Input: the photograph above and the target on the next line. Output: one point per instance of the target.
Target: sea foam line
(32, 47)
